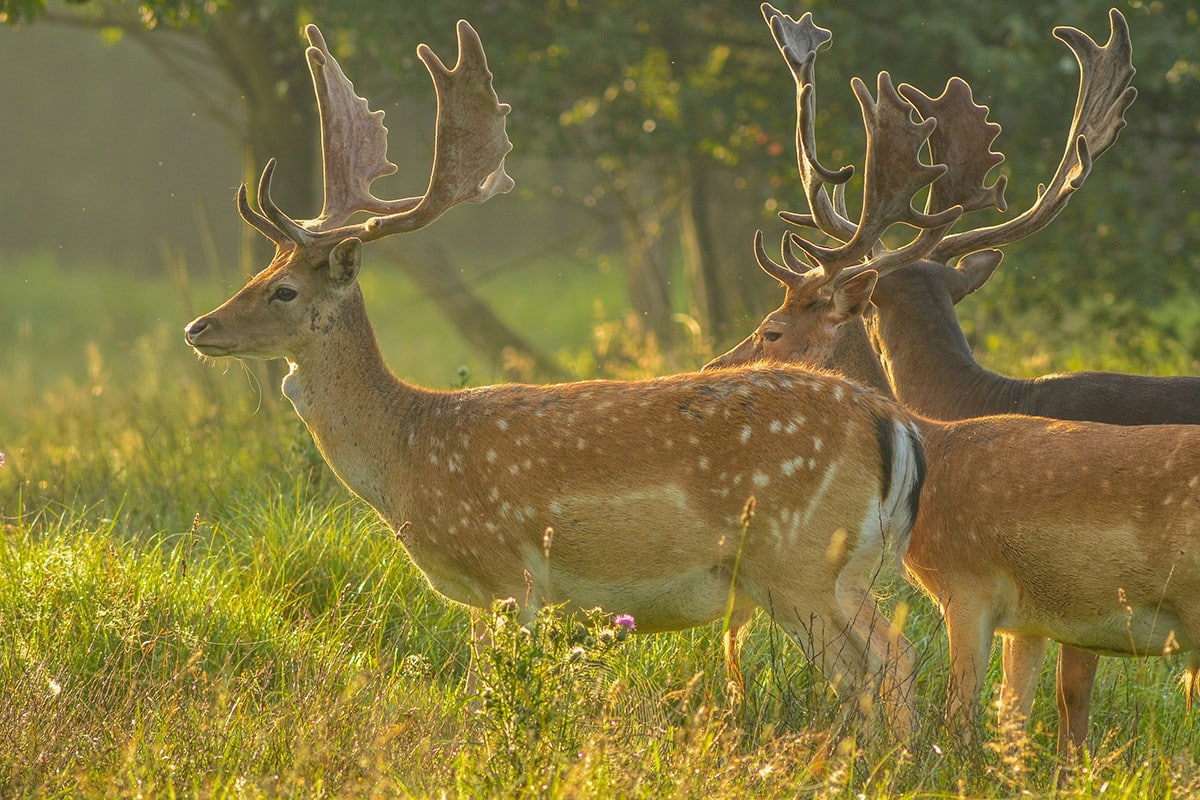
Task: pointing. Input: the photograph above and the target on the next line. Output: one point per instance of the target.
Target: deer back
(934, 372)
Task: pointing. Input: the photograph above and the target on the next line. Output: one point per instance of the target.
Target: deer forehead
(798, 299)
(299, 261)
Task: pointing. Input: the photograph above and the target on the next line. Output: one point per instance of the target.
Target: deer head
(827, 289)
(830, 285)
(316, 260)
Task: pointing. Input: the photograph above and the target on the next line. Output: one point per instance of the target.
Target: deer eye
(284, 294)
(772, 336)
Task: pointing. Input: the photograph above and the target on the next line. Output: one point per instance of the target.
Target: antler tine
(893, 173)
(258, 221)
(353, 138)
(791, 275)
(470, 145)
(288, 227)
(1104, 96)
(799, 42)
(1104, 77)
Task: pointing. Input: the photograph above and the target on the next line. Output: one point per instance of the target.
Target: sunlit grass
(192, 605)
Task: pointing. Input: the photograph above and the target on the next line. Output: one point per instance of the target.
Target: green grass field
(192, 606)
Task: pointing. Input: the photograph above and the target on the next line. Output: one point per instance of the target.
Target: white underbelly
(684, 600)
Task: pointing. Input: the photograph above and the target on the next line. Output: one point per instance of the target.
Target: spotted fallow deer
(623, 495)
(1049, 490)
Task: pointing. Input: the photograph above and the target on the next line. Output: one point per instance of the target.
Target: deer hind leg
(1021, 656)
(887, 655)
(835, 646)
(829, 642)
(1074, 681)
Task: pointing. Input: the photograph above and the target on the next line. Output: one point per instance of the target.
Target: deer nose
(194, 329)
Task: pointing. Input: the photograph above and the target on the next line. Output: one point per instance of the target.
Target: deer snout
(195, 329)
(734, 357)
(204, 336)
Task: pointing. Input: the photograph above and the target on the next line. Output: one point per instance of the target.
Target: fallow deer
(627, 496)
(925, 355)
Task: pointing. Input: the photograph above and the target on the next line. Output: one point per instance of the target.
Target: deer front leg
(481, 637)
(1022, 657)
(1075, 678)
(970, 632)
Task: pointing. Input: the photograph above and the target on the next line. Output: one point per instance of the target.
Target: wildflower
(624, 625)
(1, 458)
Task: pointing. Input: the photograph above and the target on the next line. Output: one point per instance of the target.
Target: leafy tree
(683, 114)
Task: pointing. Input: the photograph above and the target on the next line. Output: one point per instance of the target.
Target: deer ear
(977, 268)
(344, 260)
(851, 297)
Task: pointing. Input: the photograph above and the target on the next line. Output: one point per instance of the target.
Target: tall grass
(192, 606)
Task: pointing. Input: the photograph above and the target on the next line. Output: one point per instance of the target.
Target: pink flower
(625, 621)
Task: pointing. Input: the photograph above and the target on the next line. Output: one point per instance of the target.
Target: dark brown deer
(629, 496)
(925, 357)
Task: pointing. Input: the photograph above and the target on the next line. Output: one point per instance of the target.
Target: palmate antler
(959, 137)
(1105, 94)
(893, 174)
(468, 165)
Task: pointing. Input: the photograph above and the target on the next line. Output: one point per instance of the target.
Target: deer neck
(854, 357)
(926, 356)
(358, 412)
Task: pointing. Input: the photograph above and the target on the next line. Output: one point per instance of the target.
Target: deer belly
(1146, 631)
(671, 602)
(659, 600)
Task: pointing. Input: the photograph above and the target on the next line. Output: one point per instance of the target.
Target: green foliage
(661, 90)
(546, 691)
(13, 12)
(658, 97)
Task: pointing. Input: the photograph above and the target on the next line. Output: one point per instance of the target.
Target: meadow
(191, 605)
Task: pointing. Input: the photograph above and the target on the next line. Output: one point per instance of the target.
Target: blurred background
(651, 140)
(190, 599)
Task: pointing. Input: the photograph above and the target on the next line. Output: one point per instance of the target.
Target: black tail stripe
(884, 431)
(914, 494)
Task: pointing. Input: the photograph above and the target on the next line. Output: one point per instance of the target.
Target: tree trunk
(263, 57)
(438, 279)
(709, 304)
(647, 279)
